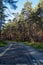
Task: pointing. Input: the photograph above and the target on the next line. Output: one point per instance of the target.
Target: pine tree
(3, 8)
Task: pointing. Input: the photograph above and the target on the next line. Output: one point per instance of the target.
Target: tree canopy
(28, 26)
(3, 7)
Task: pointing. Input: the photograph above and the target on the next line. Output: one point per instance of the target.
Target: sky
(20, 5)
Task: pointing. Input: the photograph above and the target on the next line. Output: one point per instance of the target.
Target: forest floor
(36, 45)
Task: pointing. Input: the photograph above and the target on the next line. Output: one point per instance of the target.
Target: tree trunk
(30, 36)
(31, 39)
(0, 34)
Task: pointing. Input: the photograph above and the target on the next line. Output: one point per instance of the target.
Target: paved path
(20, 54)
(36, 55)
(15, 54)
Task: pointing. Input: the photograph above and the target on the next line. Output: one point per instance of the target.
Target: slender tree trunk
(0, 34)
(32, 40)
(30, 35)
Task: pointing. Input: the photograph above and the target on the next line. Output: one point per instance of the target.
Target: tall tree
(25, 19)
(2, 9)
(1, 16)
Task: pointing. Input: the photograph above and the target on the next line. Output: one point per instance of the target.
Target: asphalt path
(15, 54)
(20, 54)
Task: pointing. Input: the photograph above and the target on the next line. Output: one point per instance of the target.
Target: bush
(2, 43)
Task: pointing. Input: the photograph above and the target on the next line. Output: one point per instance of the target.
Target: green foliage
(3, 8)
(37, 45)
(29, 26)
(2, 43)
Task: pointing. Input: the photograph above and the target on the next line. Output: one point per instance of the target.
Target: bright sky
(20, 5)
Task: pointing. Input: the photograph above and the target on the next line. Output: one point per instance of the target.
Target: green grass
(36, 45)
(2, 43)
